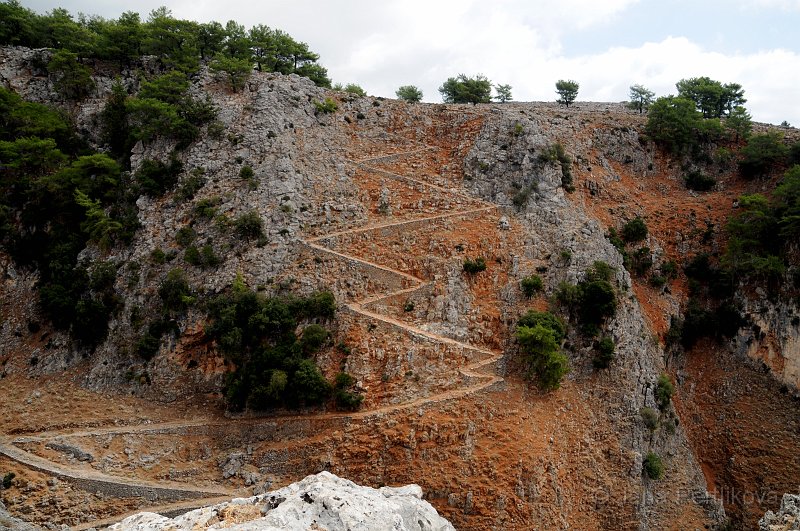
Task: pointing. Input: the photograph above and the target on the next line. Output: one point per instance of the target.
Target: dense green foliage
(664, 391)
(273, 366)
(739, 122)
(593, 299)
(178, 44)
(55, 196)
(531, 285)
(463, 89)
(567, 91)
(605, 353)
(409, 93)
(325, 107)
(634, 230)
(711, 98)
(699, 181)
(473, 266)
(652, 466)
(676, 124)
(762, 153)
(540, 335)
(355, 89)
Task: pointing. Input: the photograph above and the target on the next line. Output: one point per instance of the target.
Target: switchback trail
(475, 379)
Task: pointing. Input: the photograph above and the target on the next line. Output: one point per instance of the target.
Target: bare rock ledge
(321, 501)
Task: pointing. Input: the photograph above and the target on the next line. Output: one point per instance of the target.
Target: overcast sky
(605, 45)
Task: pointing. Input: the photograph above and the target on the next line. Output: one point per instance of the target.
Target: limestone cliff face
(381, 203)
(563, 240)
(773, 338)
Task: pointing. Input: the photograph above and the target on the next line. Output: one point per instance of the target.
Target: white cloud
(785, 5)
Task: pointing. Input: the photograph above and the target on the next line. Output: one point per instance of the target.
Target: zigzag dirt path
(477, 380)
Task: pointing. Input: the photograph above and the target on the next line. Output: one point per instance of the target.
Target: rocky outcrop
(10, 523)
(321, 501)
(787, 517)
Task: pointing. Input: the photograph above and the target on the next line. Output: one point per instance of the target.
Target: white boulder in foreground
(322, 501)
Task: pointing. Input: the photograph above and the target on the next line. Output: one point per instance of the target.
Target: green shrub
(598, 301)
(653, 467)
(699, 182)
(520, 199)
(762, 153)
(650, 418)
(73, 80)
(409, 306)
(539, 335)
(175, 292)
(207, 208)
(657, 281)
(8, 480)
(567, 294)
(314, 336)
(203, 257)
(257, 335)
(605, 353)
(192, 185)
(635, 230)
(249, 225)
(147, 346)
(599, 271)
(246, 173)
(185, 236)
(531, 285)
(326, 107)
(473, 266)
(669, 269)
(664, 391)
(344, 395)
(157, 256)
(356, 90)
(155, 178)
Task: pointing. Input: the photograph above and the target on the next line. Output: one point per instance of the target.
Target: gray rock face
(9, 523)
(321, 501)
(787, 518)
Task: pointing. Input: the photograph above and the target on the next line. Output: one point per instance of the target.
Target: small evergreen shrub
(193, 184)
(185, 236)
(8, 480)
(653, 467)
(473, 266)
(325, 107)
(650, 418)
(346, 398)
(157, 256)
(664, 391)
(207, 208)
(540, 335)
(635, 230)
(531, 285)
(699, 182)
(246, 173)
(605, 353)
(155, 178)
(249, 225)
